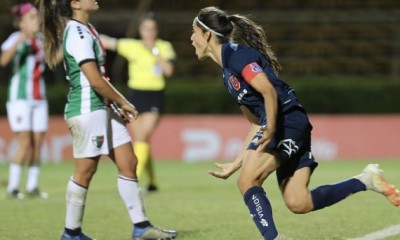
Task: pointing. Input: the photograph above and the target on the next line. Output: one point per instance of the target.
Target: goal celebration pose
(279, 138)
(95, 129)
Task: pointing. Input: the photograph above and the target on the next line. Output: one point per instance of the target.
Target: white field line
(381, 234)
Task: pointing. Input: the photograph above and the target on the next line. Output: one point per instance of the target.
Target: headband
(206, 27)
(21, 9)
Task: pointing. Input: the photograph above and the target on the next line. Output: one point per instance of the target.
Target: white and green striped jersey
(80, 45)
(26, 82)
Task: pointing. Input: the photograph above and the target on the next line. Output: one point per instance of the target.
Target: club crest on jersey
(255, 67)
(98, 141)
(234, 82)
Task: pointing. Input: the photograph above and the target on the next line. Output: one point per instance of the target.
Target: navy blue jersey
(292, 139)
(240, 65)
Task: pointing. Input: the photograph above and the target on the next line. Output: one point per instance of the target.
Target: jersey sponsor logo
(98, 141)
(264, 222)
(255, 67)
(234, 82)
(289, 146)
(259, 211)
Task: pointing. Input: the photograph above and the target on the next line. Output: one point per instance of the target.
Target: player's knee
(25, 144)
(296, 204)
(128, 172)
(84, 176)
(246, 183)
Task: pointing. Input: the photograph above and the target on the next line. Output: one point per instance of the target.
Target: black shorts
(147, 101)
(292, 143)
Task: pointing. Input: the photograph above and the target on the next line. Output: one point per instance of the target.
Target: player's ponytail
(254, 36)
(236, 27)
(53, 15)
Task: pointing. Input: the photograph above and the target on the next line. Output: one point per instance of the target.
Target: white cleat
(372, 177)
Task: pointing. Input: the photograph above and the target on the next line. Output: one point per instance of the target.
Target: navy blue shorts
(292, 143)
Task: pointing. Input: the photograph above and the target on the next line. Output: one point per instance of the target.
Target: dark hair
(147, 16)
(53, 14)
(239, 27)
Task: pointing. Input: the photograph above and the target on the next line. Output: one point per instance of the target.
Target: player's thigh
(38, 138)
(296, 185)
(295, 191)
(149, 122)
(256, 167)
(134, 128)
(19, 115)
(294, 175)
(40, 116)
(121, 146)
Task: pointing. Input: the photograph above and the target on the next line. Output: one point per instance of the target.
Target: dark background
(342, 56)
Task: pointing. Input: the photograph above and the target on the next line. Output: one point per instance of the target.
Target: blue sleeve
(241, 58)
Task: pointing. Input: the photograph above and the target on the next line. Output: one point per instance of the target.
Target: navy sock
(261, 211)
(326, 195)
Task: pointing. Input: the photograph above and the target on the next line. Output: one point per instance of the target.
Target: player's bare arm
(108, 42)
(6, 56)
(104, 88)
(267, 90)
(230, 168)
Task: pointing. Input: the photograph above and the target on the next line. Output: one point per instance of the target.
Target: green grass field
(198, 205)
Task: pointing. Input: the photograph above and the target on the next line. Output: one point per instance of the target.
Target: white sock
(14, 177)
(76, 199)
(130, 194)
(33, 178)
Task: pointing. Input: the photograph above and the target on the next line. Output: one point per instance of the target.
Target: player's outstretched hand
(128, 112)
(227, 170)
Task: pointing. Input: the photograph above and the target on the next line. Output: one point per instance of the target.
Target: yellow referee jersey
(144, 72)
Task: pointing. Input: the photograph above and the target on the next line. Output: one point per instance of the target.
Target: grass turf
(197, 205)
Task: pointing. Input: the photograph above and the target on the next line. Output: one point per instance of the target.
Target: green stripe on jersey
(81, 98)
(23, 72)
(19, 78)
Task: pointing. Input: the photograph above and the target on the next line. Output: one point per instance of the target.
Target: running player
(27, 109)
(95, 131)
(280, 135)
(150, 60)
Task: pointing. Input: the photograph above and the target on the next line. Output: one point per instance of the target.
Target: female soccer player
(280, 134)
(95, 131)
(27, 109)
(150, 61)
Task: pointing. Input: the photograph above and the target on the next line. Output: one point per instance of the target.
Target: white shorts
(94, 133)
(28, 115)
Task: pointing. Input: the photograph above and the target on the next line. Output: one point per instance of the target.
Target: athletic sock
(33, 178)
(14, 177)
(129, 191)
(150, 172)
(326, 195)
(144, 224)
(76, 199)
(73, 232)
(142, 151)
(261, 212)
